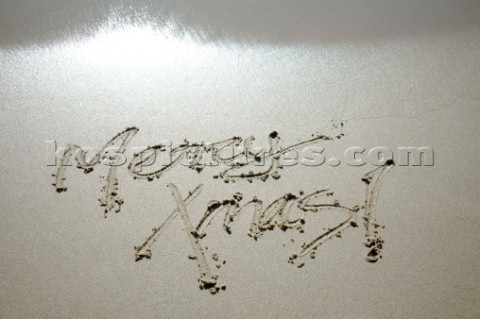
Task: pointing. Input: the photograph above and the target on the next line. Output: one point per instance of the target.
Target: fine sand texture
(252, 159)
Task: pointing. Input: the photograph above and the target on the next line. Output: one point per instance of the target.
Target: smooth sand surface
(411, 78)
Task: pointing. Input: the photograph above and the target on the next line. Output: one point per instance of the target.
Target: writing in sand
(235, 159)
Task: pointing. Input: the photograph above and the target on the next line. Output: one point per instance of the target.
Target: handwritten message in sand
(232, 159)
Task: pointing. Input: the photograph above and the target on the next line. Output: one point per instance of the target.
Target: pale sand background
(404, 75)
